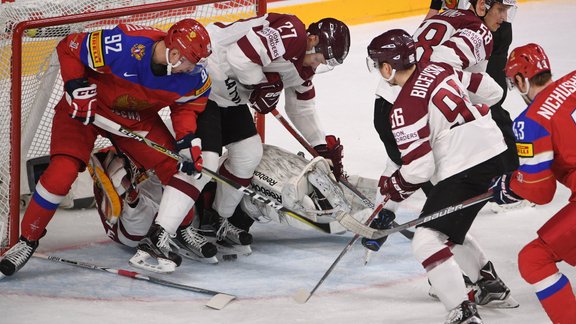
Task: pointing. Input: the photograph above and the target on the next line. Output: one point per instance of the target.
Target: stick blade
(220, 301)
(302, 296)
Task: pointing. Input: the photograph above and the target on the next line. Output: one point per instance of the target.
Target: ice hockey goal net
(29, 88)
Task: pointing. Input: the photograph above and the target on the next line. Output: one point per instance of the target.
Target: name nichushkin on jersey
(557, 98)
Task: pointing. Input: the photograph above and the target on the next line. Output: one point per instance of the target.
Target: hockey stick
(355, 226)
(303, 295)
(218, 301)
(408, 234)
(115, 128)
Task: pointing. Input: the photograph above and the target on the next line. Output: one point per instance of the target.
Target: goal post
(30, 84)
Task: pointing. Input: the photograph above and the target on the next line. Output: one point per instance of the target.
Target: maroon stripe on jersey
(461, 55)
(184, 187)
(436, 259)
(249, 50)
(135, 238)
(306, 95)
(419, 152)
(475, 81)
(242, 181)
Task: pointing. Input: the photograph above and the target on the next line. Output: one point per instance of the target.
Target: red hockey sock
(559, 302)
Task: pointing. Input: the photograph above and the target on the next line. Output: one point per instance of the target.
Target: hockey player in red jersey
(435, 126)
(126, 74)
(545, 132)
(253, 62)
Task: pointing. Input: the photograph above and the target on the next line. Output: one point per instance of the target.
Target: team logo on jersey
(95, 45)
(138, 51)
(525, 150)
(191, 35)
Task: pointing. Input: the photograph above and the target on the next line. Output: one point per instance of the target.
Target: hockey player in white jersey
(253, 61)
(436, 127)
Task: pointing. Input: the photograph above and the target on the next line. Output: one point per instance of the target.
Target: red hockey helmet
(395, 47)
(190, 38)
(334, 39)
(528, 61)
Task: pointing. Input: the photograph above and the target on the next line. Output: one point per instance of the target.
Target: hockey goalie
(127, 201)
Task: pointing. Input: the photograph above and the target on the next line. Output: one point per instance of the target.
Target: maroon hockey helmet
(395, 47)
(334, 39)
(528, 60)
(190, 38)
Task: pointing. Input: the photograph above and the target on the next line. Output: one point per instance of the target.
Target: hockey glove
(501, 192)
(382, 221)
(190, 147)
(396, 187)
(81, 96)
(265, 96)
(332, 151)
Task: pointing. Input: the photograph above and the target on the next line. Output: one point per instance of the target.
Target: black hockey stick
(115, 128)
(218, 301)
(303, 295)
(371, 233)
(408, 234)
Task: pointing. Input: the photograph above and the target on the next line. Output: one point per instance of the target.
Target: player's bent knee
(61, 174)
(427, 242)
(536, 262)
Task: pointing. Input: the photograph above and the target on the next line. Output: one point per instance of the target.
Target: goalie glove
(332, 151)
(265, 96)
(396, 187)
(81, 98)
(190, 147)
(501, 192)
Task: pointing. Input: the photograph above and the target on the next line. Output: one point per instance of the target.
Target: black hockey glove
(501, 192)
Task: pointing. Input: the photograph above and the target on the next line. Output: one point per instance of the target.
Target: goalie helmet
(395, 47)
(334, 39)
(190, 38)
(528, 60)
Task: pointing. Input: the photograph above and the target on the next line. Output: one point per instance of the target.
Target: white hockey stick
(115, 128)
(218, 301)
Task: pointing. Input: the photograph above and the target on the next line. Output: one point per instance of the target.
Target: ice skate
(464, 313)
(491, 291)
(156, 245)
(193, 245)
(17, 257)
(229, 239)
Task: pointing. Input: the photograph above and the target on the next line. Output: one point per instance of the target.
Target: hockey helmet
(190, 38)
(395, 47)
(334, 39)
(528, 60)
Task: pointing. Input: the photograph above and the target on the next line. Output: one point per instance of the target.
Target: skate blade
(225, 247)
(301, 296)
(192, 256)
(509, 302)
(140, 260)
(220, 301)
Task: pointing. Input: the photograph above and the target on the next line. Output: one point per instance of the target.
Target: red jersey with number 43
(438, 130)
(545, 134)
(119, 62)
(456, 37)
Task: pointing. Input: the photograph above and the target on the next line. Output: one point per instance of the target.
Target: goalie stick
(218, 301)
(115, 128)
(408, 234)
(303, 295)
